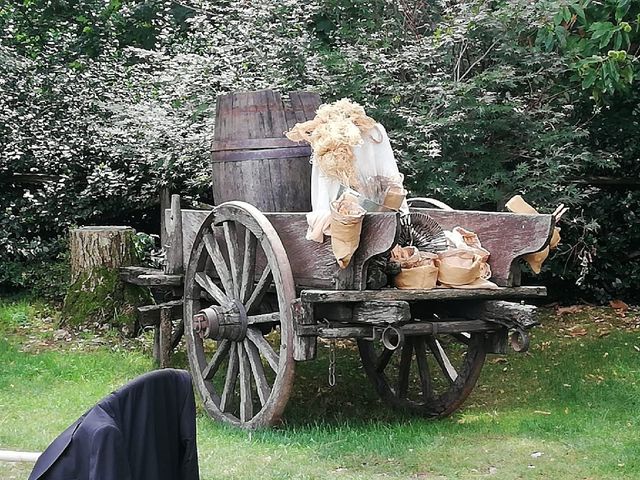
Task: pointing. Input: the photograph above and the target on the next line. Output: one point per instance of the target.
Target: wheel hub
(222, 322)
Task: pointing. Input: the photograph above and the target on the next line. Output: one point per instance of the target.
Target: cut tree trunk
(96, 293)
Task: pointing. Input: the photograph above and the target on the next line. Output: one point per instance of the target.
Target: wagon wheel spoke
(210, 370)
(462, 337)
(265, 348)
(206, 282)
(260, 289)
(230, 380)
(383, 360)
(405, 369)
(246, 404)
(263, 318)
(262, 385)
(426, 389)
(219, 263)
(442, 359)
(423, 367)
(248, 265)
(231, 239)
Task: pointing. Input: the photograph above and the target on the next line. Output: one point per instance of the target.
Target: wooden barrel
(252, 159)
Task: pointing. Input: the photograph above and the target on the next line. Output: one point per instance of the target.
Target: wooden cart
(258, 295)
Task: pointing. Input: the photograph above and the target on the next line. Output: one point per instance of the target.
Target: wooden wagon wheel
(240, 345)
(429, 375)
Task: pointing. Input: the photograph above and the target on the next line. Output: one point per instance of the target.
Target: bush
(482, 100)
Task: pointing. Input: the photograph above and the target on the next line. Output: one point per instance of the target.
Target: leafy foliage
(482, 99)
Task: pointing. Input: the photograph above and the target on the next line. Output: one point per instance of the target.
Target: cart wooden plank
(392, 294)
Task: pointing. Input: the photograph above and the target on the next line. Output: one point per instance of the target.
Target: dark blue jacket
(144, 431)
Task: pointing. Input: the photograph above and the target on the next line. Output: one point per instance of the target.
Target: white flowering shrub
(117, 99)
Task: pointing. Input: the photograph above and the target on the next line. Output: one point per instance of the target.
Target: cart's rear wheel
(429, 375)
(238, 318)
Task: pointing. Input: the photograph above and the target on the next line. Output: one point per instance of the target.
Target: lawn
(567, 409)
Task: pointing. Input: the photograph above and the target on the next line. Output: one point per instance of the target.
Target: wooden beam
(149, 277)
(173, 247)
(425, 328)
(149, 315)
(393, 294)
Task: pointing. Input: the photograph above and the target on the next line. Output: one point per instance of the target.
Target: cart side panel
(507, 236)
(313, 264)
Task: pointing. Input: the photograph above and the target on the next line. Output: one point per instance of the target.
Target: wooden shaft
(12, 456)
(165, 337)
(174, 238)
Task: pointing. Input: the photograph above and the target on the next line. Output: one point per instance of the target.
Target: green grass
(569, 408)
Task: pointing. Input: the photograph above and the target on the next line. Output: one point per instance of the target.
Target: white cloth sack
(374, 157)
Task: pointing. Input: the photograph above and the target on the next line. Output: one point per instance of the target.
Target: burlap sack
(407, 257)
(422, 278)
(535, 260)
(395, 197)
(458, 266)
(346, 226)
(418, 269)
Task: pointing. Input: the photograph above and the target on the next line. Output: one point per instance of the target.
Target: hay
(332, 134)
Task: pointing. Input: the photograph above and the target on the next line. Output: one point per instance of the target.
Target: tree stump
(96, 293)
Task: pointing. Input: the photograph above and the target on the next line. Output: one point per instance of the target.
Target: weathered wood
(165, 337)
(207, 284)
(248, 265)
(221, 353)
(411, 329)
(423, 367)
(219, 263)
(442, 359)
(381, 313)
(266, 277)
(173, 246)
(149, 277)
(231, 242)
(149, 315)
(246, 405)
(313, 264)
(230, 378)
(265, 349)
(209, 242)
(96, 292)
(421, 295)
(507, 236)
(304, 348)
(499, 311)
(262, 385)
(165, 203)
(100, 247)
(253, 160)
(435, 398)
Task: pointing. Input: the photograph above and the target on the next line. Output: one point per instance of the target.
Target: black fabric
(144, 431)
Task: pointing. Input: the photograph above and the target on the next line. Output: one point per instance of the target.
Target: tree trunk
(96, 294)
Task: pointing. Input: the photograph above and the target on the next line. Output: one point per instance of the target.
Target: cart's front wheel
(429, 375)
(238, 318)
